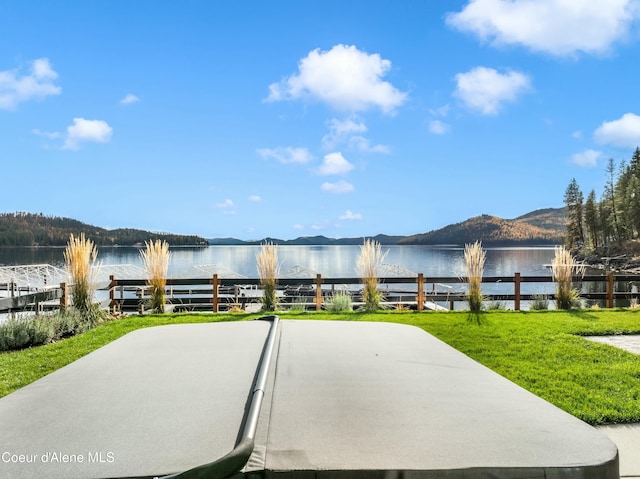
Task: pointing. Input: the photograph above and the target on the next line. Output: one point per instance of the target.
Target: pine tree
(591, 219)
(573, 200)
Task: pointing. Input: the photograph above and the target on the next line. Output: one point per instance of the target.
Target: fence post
(516, 291)
(318, 292)
(64, 297)
(214, 300)
(610, 288)
(112, 294)
(420, 297)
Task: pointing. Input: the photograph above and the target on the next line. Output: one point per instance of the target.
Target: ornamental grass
(155, 258)
(268, 272)
(474, 257)
(368, 266)
(80, 257)
(564, 267)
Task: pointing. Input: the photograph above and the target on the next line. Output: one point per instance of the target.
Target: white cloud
(438, 127)
(255, 198)
(441, 111)
(341, 130)
(350, 216)
(298, 227)
(344, 77)
(84, 131)
(347, 132)
(129, 99)
(334, 164)
(556, 27)
(228, 203)
(286, 154)
(360, 143)
(52, 135)
(337, 188)
(623, 132)
(485, 89)
(586, 158)
(38, 84)
(577, 135)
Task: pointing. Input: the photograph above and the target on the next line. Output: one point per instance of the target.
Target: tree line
(614, 217)
(29, 229)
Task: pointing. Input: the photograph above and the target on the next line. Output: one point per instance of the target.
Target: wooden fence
(218, 294)
(221, 294)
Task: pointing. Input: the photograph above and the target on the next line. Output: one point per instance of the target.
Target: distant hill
(320, 240)
(28, 229)
(540, 227)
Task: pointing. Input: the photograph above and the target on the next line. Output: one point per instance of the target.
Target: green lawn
(541, 351)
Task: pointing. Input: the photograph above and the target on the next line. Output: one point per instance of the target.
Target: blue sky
(288, 118)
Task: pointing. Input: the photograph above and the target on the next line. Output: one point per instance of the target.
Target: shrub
(474, 257)
(25, 331)
(155, 258)
(368, 267)
(496, 306)
(540, 302)
(563, 268)
(268, 271)
(339, 302)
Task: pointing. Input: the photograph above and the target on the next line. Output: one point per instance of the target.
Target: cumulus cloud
(438, 127)
(341, 130)
(349, 132)
(52, 135)
(129, 99)
(286, 154)
(344, 77)
(334, 164)
(337, 188)
(86, 131)
(485, 90)
(586, 158)
(623, 132)
(255, 198)
(227, 207)
(350, 216)
(37, 84)
(556, 27)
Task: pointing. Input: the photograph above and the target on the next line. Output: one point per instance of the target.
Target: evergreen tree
(610, 198)
(591, 219)
(573, 200)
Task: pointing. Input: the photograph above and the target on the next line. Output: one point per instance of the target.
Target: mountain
(28, 229)
(540, 227)
(320, 240)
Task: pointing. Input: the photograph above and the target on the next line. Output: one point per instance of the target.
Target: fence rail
(221, 294)
(218, 294)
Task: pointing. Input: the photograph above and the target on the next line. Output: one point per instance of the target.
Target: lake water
(330, 261)
(307, 261)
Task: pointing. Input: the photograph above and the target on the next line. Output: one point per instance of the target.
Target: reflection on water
(330, 261)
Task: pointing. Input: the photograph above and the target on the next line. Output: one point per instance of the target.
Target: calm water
(307, 261)
(330, 261)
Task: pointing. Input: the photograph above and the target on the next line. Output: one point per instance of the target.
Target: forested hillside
(606, 221)
(494, 231)
(27, 229)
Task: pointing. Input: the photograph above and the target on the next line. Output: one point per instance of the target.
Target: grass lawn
(541, 351)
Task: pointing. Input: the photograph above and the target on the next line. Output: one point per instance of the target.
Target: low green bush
(24, 331)
(339, 302)
(540, 302)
